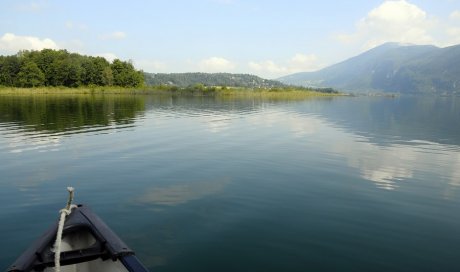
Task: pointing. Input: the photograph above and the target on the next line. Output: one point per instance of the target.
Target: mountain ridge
(391, 68)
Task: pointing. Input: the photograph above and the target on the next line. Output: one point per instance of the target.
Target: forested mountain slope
(209, 79)
(392, 67)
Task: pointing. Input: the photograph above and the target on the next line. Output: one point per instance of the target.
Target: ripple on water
(17, 138)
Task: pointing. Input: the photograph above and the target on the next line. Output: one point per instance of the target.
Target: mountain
(393, 68)
(216, 79)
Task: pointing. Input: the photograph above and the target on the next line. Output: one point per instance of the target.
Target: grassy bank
(66, 90)
(198, 90)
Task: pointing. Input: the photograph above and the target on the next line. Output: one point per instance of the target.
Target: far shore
(276, 92)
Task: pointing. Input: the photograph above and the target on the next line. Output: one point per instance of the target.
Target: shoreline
(288, 92)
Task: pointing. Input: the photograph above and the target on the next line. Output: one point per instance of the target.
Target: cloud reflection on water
(21, 143)
(182, 193)
(386, 165)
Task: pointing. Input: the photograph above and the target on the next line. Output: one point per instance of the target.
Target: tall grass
(287, 93)
(66, 90)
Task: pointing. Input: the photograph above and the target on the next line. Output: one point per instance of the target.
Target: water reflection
(388, 141)
(351, 177)
(182, 193)
(21, 143)
(388, 120)
(61, 113)
(39, 122)
(386, 165)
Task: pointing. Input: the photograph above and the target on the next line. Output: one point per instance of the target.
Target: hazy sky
(263, 37)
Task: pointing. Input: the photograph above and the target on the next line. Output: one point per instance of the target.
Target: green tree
(68, 72)
(9, 68)
(125, 75)
(30, 75)
(61, 68)
(96, 72)
(89, 75)
(107, 77)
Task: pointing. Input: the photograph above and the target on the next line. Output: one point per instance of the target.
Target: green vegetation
(59, 68)
(195, 90)
(202, 90)
(60, 72)
(210, 79)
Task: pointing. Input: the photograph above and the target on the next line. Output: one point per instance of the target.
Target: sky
(262, 37)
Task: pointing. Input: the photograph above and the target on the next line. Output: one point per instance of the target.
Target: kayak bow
(88, 244)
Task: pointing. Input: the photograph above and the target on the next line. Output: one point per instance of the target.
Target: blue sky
(266, 38)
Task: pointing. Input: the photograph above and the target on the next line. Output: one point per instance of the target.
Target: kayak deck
(88, 244)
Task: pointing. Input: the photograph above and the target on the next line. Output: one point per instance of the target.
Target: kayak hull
(88, 244)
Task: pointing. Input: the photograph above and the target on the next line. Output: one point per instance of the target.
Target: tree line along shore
(58, 72)
(59, 68)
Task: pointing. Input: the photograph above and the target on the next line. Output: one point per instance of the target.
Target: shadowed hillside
(393, 68)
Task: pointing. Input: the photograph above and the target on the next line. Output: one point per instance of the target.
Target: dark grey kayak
(88, 244)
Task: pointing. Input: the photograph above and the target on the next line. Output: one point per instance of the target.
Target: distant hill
(391, 67)
(209, 79)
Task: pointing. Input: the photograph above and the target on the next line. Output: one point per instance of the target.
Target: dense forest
(60, 68)
(210, 79)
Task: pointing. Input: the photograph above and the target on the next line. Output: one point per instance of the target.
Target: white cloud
(108, 56)
(32, 6)
(301, 62)
(455, 15)
(11, 43)
(117, 35)
(216, 64)
(454, 34)
(396, 11)
(152, 66)
(454, 31)
(395, 21)
(298, 63)
(267, 66)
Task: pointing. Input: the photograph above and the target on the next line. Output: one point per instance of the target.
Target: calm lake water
(209, 184)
